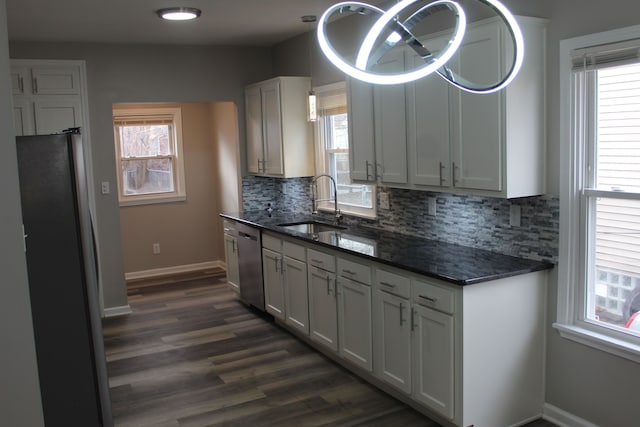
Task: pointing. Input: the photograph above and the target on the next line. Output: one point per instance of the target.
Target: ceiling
(223, 22)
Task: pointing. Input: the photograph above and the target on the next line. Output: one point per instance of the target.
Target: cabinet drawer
(321, 260)
(433, 296)
(271, 242)
(229, 226)
(393, 283)
(354, 271)
(294, 251)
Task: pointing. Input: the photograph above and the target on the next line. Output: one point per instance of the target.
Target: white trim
(571, 264)
(117, 311)
(563, 418)
(164, 271)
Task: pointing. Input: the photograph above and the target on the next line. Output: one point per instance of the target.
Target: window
(599, 270)
(332, 155)
(149, 155)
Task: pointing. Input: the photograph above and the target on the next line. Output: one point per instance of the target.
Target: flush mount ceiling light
(179, 13)
(391, 31)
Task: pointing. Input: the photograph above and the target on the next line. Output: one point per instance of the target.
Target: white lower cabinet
(433, 356)
(285, 281)
(354, 313)
(231, 254)
(392, 340)
(273, 283)
(461, 363)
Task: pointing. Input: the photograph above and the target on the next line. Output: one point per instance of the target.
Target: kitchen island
(456, 332)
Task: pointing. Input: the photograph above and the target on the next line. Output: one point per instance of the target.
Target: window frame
(324, 190)
(577, 137)
(179, 188)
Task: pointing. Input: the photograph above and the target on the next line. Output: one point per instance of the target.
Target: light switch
(384, 200)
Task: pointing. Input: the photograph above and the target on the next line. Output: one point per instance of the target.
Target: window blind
(145, 120)
(606, 55)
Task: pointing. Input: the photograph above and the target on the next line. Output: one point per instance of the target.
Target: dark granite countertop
(453, 263)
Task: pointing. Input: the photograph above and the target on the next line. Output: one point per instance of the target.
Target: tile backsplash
(475, 221)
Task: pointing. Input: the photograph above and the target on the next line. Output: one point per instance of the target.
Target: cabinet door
(56, 114)
(231, 254)
(433, 355)
(354, 321)
(477, 131)
(428, 124)
(253, 113)
(272, 122)
(20, 80)
(53, 80)
(273, 283)
(392, 338)
(362, 157)
(297, 299)
(23, 117)
(390, 123)
(323, 317)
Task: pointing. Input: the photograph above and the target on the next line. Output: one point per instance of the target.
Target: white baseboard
(117, 311)
(563, 418)
(145, 274)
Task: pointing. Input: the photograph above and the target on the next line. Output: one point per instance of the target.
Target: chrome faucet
(314, 208)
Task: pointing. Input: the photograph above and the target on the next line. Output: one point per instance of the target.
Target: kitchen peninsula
(456, 332)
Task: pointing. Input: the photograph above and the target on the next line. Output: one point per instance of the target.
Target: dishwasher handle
(247, 236)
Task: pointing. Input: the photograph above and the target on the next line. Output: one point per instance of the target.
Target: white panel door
(354, 322)
(253, 113)
(433, 360)
(362, 156)
(273, 283)
(53, 80)
(231, 254)
(296, 294)
(392, 338)
(23, 123)
(272, 119)
(477, 131)
(54, 114)
(428, 125)
(390, 123)
(323, 316)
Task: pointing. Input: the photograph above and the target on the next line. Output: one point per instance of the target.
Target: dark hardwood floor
(191, 354)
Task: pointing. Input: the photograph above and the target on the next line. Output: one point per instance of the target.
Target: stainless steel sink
(311, 227)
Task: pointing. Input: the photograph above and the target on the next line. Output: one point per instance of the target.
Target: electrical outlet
(156, 248)
(514, 215)
(384, 200)
(105, 187)
(431, 208)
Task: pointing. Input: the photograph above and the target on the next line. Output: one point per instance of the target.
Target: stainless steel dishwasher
(250, 265)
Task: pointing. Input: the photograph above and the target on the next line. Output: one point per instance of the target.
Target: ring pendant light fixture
(179, 13)
(401, 32)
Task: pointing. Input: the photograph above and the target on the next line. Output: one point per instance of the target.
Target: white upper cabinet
(433, 136)
(362, 152)
(47, 96)
(279, 139)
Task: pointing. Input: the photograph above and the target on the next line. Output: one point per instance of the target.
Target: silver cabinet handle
(401, 312)
(390, 285)
(367, 164)
(441, 176)
(430, 300)
(455, 175)
(328, 285)
(348, 272)
(276, 261)
(35, 85)
(413, 324)
(317, 261)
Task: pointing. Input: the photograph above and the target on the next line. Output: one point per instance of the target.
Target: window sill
(358, 214)
(153, 201)
(600, 341)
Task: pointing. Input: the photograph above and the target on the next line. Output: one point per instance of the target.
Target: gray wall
(135, 73)
(588, 383)
(20, 403)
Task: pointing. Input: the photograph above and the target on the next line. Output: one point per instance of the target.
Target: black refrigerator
(63, 282)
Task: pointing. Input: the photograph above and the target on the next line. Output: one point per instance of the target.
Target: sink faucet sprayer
(314, 190)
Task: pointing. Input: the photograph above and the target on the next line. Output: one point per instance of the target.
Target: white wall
(145, 73)
(20, 403)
